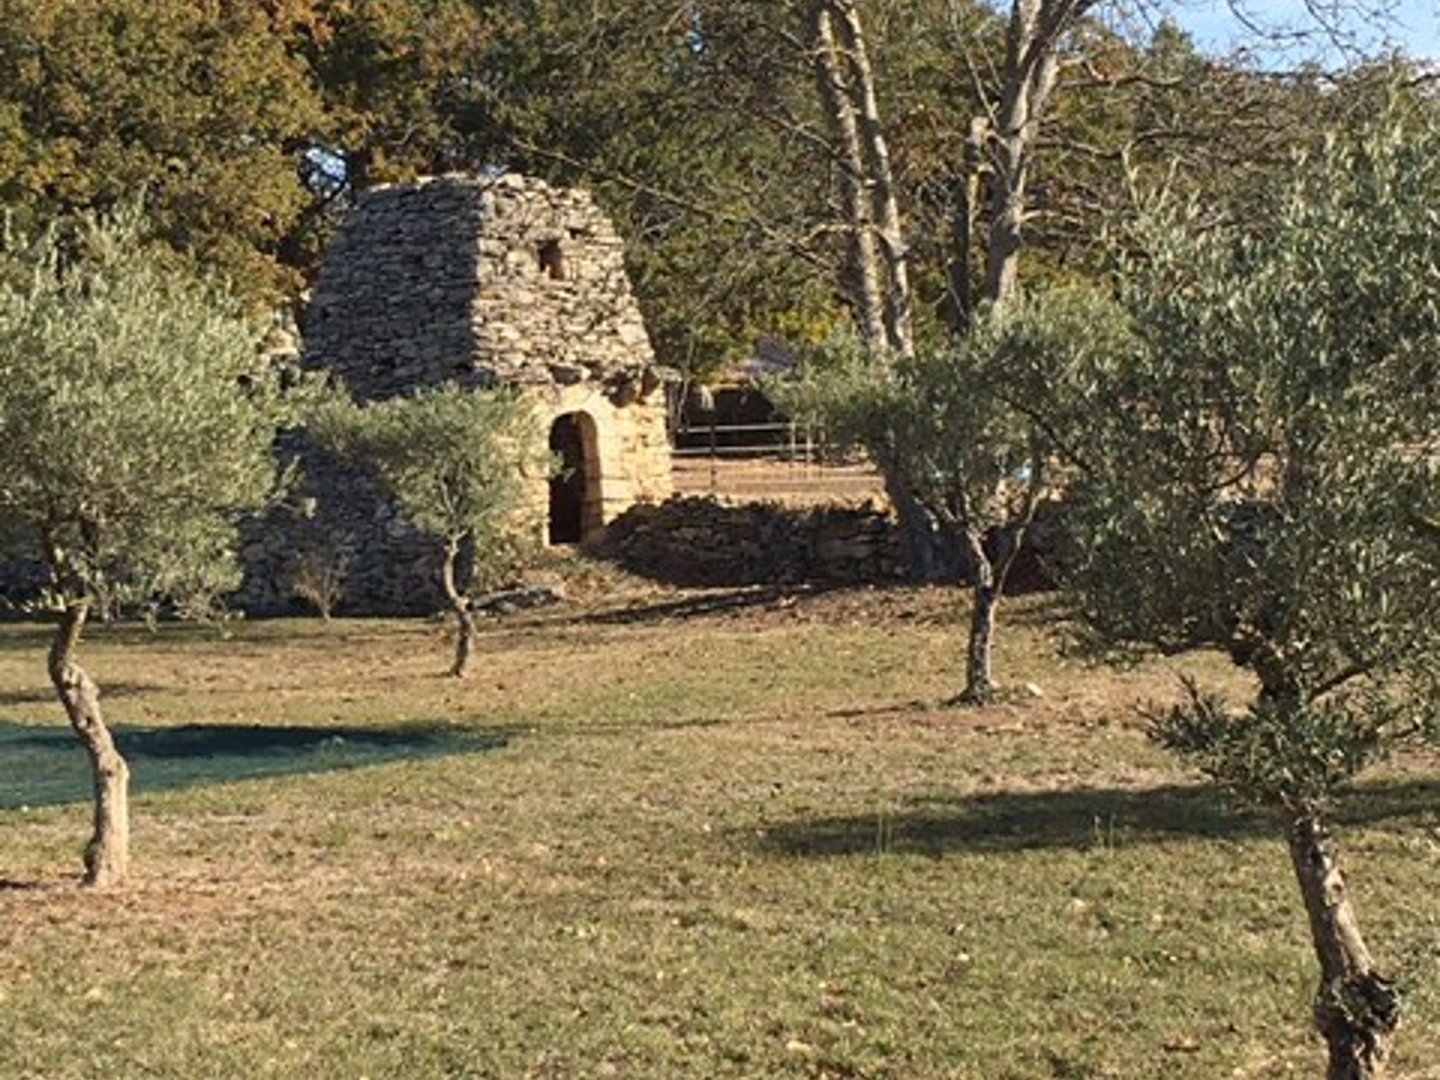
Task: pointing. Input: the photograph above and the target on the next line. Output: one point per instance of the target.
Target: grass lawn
(662, 835)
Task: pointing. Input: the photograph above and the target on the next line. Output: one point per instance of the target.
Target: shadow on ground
(1077, 818)
(45, 767)
(702, 606)
(33, 634)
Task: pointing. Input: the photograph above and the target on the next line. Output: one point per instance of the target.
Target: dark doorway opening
(568, 485)
(552, 260)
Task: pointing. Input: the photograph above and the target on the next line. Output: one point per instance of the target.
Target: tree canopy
(137, 420)
(1258, 477)
(465, 466)
(200, 105)
(701, 130)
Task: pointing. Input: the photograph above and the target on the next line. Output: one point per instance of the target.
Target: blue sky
(1414, 26)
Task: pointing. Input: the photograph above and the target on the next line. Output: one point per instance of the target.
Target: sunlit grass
(745, 841)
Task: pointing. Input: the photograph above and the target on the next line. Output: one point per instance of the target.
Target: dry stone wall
(696, 541)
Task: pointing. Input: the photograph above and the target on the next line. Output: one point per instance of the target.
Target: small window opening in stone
(552, 260)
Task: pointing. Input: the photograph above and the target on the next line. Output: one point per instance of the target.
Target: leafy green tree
(974, 430)
(201, 104)
(406, 84)
(693, 128)
(1258, 479)
(466, 466)
(137, 430)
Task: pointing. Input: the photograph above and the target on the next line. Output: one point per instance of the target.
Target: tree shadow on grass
(701, 606)
(34, 634)
(1041, 608)
(41, 766)
(25, 636)
(1077, 818)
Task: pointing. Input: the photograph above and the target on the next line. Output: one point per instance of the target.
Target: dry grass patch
(659, 835)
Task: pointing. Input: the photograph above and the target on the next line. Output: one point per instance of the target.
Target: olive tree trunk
(985, 589)
(1356, 1009)
(107, 855)
(460, 605)
(988, 577)
(929, 555)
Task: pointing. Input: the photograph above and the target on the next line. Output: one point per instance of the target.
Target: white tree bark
(1032, 66)
(861, 278)
(880, 180)
(876, 276)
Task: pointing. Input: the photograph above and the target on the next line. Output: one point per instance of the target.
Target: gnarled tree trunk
(107, 855)
(460, 605)
(927, 556)
(1356, 1009)
(988, 578)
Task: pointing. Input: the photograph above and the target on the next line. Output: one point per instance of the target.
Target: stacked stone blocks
(502, 281)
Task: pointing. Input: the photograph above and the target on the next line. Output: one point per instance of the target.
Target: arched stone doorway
(575, 488)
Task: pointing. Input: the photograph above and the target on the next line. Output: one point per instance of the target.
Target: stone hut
(484, 281)
(506, 281)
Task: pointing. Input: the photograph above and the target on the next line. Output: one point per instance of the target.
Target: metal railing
(770, 462)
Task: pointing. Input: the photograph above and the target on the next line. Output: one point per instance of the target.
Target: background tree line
(706, 129)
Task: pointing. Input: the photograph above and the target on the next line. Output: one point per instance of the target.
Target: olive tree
(978, 466)
(465, 466)
(974, 429)
(137, 428)
(1259, 478)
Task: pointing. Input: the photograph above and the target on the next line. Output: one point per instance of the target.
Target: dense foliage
(137, 423)
(137, 428)
(458, 463)
(974, 430)
(252, 125)
(201, 105)
(1260, 480)
(1274, 445)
